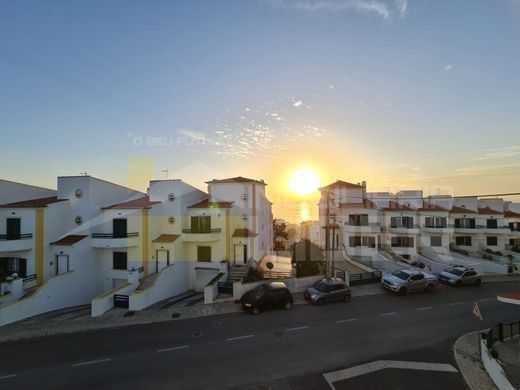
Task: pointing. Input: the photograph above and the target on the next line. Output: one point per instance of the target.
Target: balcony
(438, 229)
(111, 240)
(495, 230)
(195, 235)
(469, 230)
(18, 242)
(370, 228)
(404, 229)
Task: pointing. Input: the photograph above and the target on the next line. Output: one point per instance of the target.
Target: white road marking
(456, 303)
(297, 328)
(424, 308)
(247, 336)
(347, 320)
(7, 376)
(392, 313)
(173, 348)
(352, 372)
(91, 362)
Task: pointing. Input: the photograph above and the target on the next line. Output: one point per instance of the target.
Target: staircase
(147, 282)
(236, 274)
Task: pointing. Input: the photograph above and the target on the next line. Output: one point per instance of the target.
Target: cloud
(448, 67)
(297, 103)
(382, 8)
(492, 154)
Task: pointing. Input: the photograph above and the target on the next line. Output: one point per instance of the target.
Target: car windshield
(401, 275)
(258, 292)
(455, 271)
(320, 285)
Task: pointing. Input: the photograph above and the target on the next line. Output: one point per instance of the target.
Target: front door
(240, 254)
(162, 260)
(62, 264)
(13, 229)
(119, 228)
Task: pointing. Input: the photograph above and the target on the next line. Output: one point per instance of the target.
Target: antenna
(166, 173)
(84, 173)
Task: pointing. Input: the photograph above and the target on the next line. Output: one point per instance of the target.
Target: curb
(466, 354)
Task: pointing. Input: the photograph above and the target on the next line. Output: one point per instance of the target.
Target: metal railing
(365, 277)
(501, 332)
(115, 235)
(206, 231)
(29, 278)
(9, 237)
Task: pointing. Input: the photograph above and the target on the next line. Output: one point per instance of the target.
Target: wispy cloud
(448, 67)
(493, 154)
(382, 8)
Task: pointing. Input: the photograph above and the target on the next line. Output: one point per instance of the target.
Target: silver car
(407, 280)
(460, 276)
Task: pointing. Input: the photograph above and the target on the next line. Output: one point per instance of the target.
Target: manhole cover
(216, 325)
(277, 334)
(197, 334)
(176, 315)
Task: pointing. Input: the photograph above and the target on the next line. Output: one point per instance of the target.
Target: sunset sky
(403, 94)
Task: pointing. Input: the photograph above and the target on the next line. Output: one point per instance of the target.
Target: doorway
(162, 259)
(62, 264)
(240, 254)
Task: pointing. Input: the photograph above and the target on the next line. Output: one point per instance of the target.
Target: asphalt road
(277, 349)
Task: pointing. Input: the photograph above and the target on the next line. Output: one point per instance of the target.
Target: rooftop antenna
(84, 173)
(166, 173)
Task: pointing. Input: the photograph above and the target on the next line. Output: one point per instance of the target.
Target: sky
(413, 94)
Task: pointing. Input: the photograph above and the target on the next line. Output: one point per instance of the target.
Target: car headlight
(314, 297)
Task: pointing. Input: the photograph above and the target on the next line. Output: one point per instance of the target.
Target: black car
(267, 296)
(327, 290)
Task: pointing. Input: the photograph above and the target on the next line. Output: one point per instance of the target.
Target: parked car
(460, 276)
(406, 280)
(327, 290)
(267, 296)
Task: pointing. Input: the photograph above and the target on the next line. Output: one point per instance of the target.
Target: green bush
(254, 275)
(308, 268)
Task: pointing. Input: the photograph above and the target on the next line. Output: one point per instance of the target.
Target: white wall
(11, 191)
(494, 369)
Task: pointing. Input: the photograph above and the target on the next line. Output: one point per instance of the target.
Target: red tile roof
(461, 210)
(431, 207)
(206, 204)
(511, 214)
(487, 210)
(166, 238)
(244, 233)
(238, 179)
(341, 183)
(69, 240)
(34, 203)
(140, 203)
(394, 206)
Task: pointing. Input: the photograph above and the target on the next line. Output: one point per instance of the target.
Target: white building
(310, 230)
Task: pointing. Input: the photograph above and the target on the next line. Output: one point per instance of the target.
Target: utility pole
(327, 239)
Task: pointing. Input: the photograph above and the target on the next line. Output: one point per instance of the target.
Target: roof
(34, 203)
(206, 204)
(366, 204)
(140, 203)
(511, 214)
(238, 179)
(244, 233)
(394, 206)
(487, 210)
(461, 210)
(69, 240)
(431, 207)
(166, 238)
(341, 183)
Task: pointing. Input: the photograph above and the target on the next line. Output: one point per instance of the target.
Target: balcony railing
(116, 235)
(9, 237)
(206, 231)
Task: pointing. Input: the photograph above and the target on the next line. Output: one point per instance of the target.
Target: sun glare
(304, 182)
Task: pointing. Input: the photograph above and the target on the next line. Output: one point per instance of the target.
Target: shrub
(498, 253)
(487, 257)
(308, 268)
(488, 250)
(421, 265)
(254, 275)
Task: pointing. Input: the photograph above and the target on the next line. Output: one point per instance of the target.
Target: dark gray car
(460, 276)
(327, 290)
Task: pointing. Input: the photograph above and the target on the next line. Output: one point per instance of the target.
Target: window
(435, 222)
(13, 229)
(14, 265)
(465, 223)
(401, 222)
(402, 242)
(470, 273)
(358, 219)
(463, 240)
(362, 241)
(491, 223)
(201, 224)
(119, 228)
(417, 277)
(491, 241)
(119, 260)
(514, 226)
(204, 253)
(435, 241)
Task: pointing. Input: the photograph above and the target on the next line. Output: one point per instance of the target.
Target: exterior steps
(236, 274)
(147, 282)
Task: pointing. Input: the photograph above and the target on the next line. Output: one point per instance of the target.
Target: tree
(279, 232)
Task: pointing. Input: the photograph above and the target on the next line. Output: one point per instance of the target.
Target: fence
(365, 277)
(500, 332)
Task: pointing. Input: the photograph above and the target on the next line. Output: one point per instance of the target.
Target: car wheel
(288, 305)
(255, 310)
(478, 282)
(319, 302)
(402, 291)
(429, 288)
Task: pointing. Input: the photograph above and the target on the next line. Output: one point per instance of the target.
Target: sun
(304, 182)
